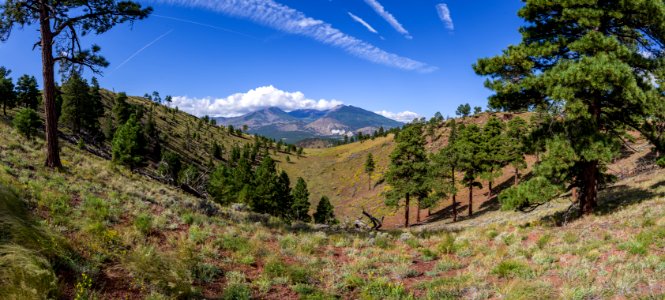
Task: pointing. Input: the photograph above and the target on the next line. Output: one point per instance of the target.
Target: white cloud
(405, 116)
(288, 20)
(361, 21)
(378, 8)
(253, 100)
(444, 15)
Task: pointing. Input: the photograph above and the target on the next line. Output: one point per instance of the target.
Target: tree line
(473, 154)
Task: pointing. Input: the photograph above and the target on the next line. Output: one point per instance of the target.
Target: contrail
(141, 50)
(204, 25)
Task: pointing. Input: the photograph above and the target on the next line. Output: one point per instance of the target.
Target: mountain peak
(300, 124)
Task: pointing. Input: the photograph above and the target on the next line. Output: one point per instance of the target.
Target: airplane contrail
(141, 50)
(204, 25)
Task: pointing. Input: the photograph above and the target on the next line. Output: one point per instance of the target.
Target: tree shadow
(610, 200)
(446, 213)
(658, 185)
(487, 206)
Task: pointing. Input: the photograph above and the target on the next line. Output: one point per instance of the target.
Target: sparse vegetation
(160, 210)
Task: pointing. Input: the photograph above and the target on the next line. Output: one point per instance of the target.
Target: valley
(548, 182)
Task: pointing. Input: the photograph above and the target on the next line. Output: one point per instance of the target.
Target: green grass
(154, 242)
(512, 269)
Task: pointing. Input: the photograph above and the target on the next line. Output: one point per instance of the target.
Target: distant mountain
(308, 114)
(298, 125)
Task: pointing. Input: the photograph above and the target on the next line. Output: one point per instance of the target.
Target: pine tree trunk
(406, 211)
(418, 214)
(470, 199)
(369, 181)
(52, 150)
(517, 176)
(589, 177)
(589, 187)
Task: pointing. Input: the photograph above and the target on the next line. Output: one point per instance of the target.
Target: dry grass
(136, 238)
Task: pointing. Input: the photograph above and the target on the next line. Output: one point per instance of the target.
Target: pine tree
(221, 185)
(592, 61)
(477, 110)
(369, 169)
(121, 109)
(446, 164)
(156, 97)
(7, 93)
(75, 101)
(284, 197)
(325, 213)
(494, 141)
(463, 110)
(514, 148)
(408, 170)
(266, 187)
(217, 151)
(95, 110)
(128, 144)
(300, 207)
(27, 91)
(27, 121)
(472, 158)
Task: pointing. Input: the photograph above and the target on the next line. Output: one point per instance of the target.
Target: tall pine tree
(300, 207)
(408, 170)
(369, 169)
(472, 158)
(75, 101)
(515, 148)
(494, 159)
(445, 165)
(594, 59)
(27, 91)
(325, 213)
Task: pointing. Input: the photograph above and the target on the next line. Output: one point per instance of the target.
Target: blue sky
(221, 59)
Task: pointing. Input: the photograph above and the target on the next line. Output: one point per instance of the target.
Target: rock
(239, 206)
(321, 226)
(360, 225)
(406, 236)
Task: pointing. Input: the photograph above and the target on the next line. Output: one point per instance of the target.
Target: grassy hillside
(181, 132)
(338, 172)
(97, 231)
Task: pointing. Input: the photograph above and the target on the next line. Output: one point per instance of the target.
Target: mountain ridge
(300, 124)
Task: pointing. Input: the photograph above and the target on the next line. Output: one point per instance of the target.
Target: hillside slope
(94, 230)
(338, 172)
